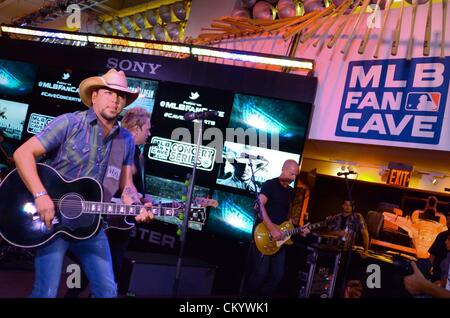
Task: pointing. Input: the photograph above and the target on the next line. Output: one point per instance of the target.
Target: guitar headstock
(205, 202)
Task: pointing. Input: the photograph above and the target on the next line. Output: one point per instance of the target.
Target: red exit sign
(399, 174)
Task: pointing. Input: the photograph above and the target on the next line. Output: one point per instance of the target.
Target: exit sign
(399, 174)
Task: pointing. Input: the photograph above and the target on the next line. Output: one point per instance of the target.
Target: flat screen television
(12, 118)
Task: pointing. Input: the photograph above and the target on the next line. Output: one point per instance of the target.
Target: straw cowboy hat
(111, 79)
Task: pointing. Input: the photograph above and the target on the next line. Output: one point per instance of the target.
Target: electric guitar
(269, 246)
(78, 209)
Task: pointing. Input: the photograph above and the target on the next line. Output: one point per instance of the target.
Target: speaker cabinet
(153, 275)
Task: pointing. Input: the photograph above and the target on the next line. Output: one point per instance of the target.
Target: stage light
(126, 21)
(152, 18)
(139, 20)
(159, 33)
(132, 34)
(45, 34)
(173, 31)
(146, 34)
(99, 30)
(276, 61)
(165, 14)
(117, 26)
(179, 10)
(108, 28)
(437, 179)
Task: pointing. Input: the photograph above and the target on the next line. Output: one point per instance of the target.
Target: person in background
(417, 284)
(265, 272)
(343, 224)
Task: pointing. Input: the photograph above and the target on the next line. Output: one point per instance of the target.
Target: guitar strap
(112, 176)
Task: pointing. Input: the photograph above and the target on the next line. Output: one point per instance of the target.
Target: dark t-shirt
(138, 178)
(439, 251)
(279, 199)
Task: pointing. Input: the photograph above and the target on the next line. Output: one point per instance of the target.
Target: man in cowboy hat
(242, 174)
(83, 144)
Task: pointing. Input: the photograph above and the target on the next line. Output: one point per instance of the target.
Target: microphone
(209, 114)
(152, 144)
(249, 156)
(345, 173)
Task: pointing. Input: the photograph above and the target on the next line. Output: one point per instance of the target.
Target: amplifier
(153, 275)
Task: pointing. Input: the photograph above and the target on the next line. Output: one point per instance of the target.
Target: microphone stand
(259, 217)
(353, 234)
(187, 209)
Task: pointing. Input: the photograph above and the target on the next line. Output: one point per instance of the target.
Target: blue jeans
(94, 255)
(265, 272)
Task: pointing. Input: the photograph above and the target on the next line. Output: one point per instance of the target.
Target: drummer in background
(343, 225)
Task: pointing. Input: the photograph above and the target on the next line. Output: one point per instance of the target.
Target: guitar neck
(126, 210)
(311, 227)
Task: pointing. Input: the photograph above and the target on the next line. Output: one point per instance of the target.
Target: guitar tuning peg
(183, 198)
(181, 216)
(179, 232)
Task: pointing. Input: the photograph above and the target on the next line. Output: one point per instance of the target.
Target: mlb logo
(423, 101)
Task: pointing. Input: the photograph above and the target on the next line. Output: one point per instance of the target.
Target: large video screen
(279, 124)
(268, 129)
(236, 171)
(16, 78)
(163, 191)
(147, 94)
(55, 93)
(173, 138)
(12, 118)
(234, 217)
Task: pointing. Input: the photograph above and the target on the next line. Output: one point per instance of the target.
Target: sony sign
(135, 66)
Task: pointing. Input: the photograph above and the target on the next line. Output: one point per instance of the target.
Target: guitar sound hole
(71, 206)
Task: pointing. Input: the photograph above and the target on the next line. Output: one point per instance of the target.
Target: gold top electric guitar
(268, 246)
